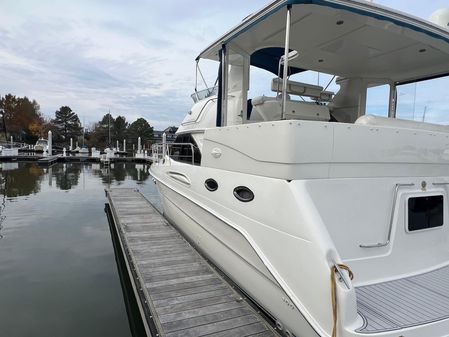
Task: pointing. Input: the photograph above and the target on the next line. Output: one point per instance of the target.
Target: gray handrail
(390, 228)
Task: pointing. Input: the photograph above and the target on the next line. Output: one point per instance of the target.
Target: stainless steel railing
(162, 152)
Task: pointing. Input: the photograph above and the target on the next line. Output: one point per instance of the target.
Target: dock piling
(50, 144)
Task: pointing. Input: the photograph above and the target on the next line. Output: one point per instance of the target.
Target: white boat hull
(227, 248)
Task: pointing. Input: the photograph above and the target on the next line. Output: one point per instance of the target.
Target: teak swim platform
(179, 292)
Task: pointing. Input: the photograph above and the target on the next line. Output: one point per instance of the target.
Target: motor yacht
(41, 145)
(84, 150)
(330, 213)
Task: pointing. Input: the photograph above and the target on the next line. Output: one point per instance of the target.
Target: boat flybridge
(332, 219)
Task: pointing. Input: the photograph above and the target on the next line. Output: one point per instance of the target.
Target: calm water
(58, 273)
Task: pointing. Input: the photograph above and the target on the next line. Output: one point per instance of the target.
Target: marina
(180, 293)
(304, 193)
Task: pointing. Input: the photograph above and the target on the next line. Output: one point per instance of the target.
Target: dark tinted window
(182, 149)
(425, 212)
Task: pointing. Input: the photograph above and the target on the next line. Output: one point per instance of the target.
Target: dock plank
(179, 292)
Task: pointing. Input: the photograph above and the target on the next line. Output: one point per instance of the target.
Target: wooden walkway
(180, 292)
(68, 159)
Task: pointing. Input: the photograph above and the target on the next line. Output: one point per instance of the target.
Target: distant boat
(83, 149)
(41, 145)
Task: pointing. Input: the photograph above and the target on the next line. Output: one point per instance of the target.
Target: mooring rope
(334, 271)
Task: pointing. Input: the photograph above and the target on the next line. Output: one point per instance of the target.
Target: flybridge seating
(269, 108)
(315, 92)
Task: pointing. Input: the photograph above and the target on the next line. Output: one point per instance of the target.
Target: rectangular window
(425, 212)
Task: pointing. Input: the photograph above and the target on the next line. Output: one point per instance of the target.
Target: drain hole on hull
(211, 184)
(243, 193)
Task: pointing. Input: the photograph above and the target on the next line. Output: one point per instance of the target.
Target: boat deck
(404, 303)
(178, 291)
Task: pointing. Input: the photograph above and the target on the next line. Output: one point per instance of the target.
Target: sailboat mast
(84, 128)
(109, 127)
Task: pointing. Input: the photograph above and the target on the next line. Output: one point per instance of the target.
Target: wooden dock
(50, 160)
(179, 292)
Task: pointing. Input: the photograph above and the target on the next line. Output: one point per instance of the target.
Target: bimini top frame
(347, 38)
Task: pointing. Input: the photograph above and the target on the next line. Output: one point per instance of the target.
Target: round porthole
(243, 193)
(211, 184)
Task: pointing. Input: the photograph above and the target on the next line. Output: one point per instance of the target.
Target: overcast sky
(134, 57)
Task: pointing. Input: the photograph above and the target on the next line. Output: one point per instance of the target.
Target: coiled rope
(334, 272)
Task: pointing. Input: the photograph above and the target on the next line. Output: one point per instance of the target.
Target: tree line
(22, 119)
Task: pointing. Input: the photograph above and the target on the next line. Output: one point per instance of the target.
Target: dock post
(49, 144)
(118, 146)
(139, 146)
(63, 152)
(12, 142)
(124, 145)
(164, 144)
(71, 144)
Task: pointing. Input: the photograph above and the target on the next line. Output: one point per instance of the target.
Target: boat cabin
(360, 45)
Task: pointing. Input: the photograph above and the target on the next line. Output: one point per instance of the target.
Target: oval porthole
(243, 193)
(211, 184)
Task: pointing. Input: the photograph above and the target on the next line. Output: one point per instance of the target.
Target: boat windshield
(200, 95)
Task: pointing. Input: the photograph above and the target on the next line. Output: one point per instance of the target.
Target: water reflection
(20, 180)
(56, 253)
(3, 204)
(119, 172)
(66, 175)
